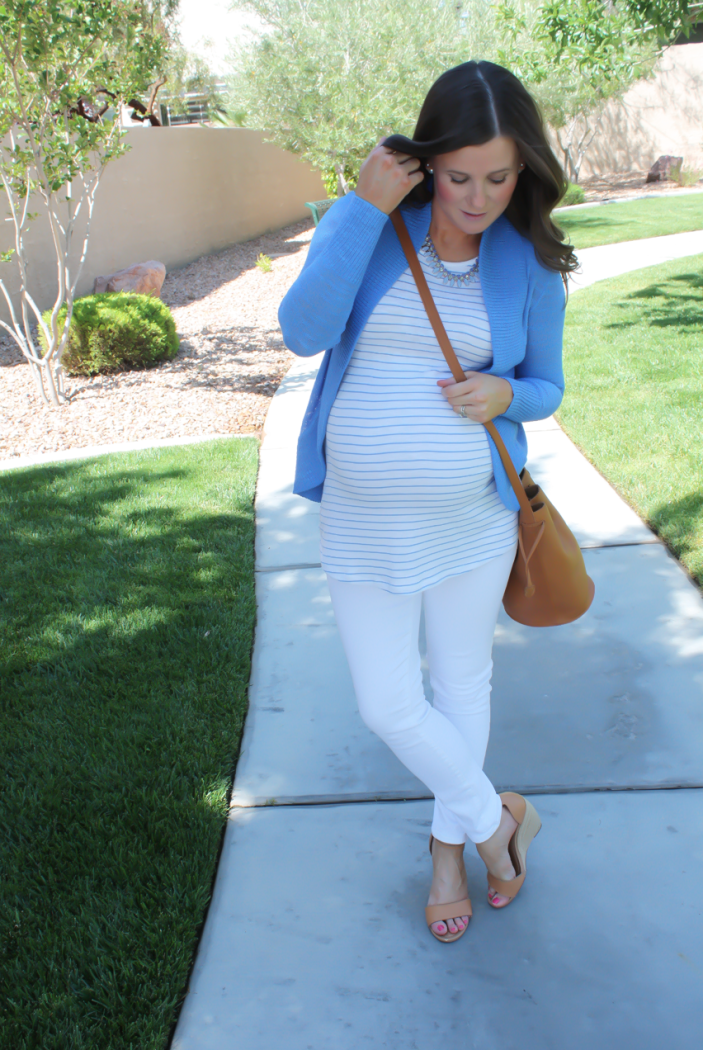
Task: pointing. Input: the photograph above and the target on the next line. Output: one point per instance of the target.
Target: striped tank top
(409, 496)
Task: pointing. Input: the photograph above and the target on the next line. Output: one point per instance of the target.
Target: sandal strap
(438, 912)
(506, 887)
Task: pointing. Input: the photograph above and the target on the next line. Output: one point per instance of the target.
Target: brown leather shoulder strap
(426, 296)
(448, 351)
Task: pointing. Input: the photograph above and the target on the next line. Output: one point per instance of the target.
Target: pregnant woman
(417, 510)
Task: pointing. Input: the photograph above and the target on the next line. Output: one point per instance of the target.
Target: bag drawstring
(530, 588)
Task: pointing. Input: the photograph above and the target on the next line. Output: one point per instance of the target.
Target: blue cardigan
(355, 257)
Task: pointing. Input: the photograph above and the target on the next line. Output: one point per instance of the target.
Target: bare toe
(442, 928)
(448, 884)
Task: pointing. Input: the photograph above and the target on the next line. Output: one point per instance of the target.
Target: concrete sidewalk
(315, 937)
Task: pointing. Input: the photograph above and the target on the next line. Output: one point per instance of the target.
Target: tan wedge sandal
(529, 825)
(442, 912)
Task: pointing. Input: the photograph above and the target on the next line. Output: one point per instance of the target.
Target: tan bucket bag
(548, 584)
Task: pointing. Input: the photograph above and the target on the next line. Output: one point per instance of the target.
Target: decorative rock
(145, 278)
(665, 168)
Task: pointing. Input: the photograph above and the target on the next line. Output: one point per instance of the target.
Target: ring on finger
(462, 411)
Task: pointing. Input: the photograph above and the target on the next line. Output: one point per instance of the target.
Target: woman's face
(473, 185)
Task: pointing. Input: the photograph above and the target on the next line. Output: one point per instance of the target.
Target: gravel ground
(229, 365)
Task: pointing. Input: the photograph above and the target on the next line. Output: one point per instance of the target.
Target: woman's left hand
(484, 396)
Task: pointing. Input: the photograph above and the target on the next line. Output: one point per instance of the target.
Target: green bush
(116, 332)
(574, 195)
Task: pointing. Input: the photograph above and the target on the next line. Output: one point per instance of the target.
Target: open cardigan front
(355, 257)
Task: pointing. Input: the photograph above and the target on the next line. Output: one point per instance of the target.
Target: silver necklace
(440, 270)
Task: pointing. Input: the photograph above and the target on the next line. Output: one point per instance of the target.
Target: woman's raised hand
(482, 396)
(386, 177)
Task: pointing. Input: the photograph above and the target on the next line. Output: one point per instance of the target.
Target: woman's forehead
(493, 155)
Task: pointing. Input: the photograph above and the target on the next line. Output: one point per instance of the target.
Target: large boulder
(145, 278)
(664, 169)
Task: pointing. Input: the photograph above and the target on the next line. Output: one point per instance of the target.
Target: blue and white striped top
(409, 497)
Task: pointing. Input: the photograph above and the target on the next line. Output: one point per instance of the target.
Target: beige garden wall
(178, 194)
(659, 116)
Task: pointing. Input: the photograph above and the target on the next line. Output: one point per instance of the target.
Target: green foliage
(689, 177)
(664, 19)
(67, 66)
(115, 332)
(328, 79)
(633, 360)
(126, 628)
(574, 56)
(331, 179)
(574, 195)
(263, 262)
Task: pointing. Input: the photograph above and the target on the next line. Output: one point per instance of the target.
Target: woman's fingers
(451, 389)
(482, 396)
(387, 177)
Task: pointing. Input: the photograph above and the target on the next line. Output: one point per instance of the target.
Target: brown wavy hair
(472, 104)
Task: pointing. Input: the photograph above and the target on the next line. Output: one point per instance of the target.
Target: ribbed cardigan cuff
(526, 404)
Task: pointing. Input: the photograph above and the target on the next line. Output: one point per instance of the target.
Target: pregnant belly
(406, 455)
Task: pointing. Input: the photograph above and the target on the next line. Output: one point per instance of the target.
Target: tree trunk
(343, 186)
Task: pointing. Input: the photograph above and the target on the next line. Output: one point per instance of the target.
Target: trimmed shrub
(574, 195)
(117, 332)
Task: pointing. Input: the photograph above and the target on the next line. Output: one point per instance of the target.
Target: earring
(431, 171)
(521, 168)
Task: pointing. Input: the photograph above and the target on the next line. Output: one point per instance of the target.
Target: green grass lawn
(126, 624)
(632, 220)
(633, 355)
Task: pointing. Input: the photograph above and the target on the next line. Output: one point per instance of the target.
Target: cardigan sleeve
(315, 310)
(538, 384)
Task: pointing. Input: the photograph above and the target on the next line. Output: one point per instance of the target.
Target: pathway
(315, 938)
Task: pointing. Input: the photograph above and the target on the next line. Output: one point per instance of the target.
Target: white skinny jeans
(445, 745)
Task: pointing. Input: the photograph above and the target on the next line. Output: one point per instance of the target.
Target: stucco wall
(659, 116)
(179, 193)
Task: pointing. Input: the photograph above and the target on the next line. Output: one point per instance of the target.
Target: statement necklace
(440, 270)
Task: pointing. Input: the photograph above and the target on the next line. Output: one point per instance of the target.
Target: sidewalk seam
(286, 568)
(409, 796)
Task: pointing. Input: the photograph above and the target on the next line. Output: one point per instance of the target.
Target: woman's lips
(474, 215)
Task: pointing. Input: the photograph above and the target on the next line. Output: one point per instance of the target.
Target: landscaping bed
(621, 185)
(633, 355)
(229, 365)
(126, 623)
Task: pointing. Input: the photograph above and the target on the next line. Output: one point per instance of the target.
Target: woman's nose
(477, 198)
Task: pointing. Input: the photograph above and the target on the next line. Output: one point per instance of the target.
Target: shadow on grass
(680, 525)
(126, 618)
(670, 307)
(596, 221)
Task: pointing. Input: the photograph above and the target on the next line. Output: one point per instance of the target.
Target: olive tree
(66, 68)
(325, 79)
(665, 20)
(575, 56)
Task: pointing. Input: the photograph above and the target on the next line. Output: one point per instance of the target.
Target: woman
(416, 507)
